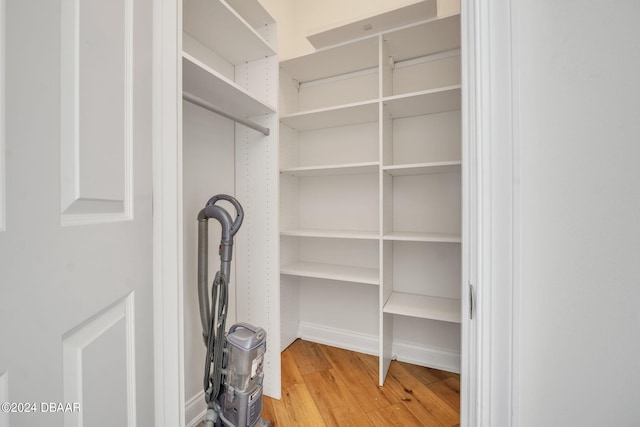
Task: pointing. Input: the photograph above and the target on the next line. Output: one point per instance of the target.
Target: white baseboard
(195, 410)
(431, 357)
(342, 338)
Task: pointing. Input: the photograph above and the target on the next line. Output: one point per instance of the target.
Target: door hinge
(471, 301)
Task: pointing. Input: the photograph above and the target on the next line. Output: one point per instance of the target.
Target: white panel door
(76, 312)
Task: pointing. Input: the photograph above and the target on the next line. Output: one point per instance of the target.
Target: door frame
(168, 317)
(490, 218)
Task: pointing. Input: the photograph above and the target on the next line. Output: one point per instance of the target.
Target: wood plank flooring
(327, 386)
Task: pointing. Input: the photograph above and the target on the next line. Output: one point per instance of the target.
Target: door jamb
(491, 218)
(169, 399)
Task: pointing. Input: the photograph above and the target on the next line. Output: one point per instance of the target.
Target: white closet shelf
(343, 169)
(344, 273)
(423, 168)
(415, 236)
(435, 35)
(332, 234)
(232, 37)
(342, 115)
(376, 23)
(252, 12)
(424, 307)
(211, 86)
(431, 101)
(343, 59)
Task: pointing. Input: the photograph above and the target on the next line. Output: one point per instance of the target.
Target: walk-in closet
(347, 161)
(370, 185)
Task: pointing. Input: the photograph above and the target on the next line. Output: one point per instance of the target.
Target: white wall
(299, 18)
(283, 11)
(579, 139)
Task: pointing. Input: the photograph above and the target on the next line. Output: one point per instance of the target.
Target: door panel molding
(4, 397)
(3, 175)
(119, 320)
(96, 123)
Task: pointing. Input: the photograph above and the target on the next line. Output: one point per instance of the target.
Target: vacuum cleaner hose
(213, 313)
(229, 228)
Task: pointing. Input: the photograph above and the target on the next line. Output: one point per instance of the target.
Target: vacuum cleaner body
(241, 394)
(234, 361)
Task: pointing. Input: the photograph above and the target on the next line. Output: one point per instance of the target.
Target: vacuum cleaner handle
(235, 226)
(248, 326)
(259, 334)
(229, 228)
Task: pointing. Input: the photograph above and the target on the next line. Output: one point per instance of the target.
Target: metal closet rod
(204, 104)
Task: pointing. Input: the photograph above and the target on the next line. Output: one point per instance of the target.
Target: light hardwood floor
(327, 386)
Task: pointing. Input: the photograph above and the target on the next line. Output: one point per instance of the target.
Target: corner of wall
(448, 7)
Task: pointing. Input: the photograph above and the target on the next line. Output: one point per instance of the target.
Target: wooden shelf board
(424, 307)
(435, 35)
(412, 236)
(369, 276)
(342, 115)
(357, 56)
(211, 86)
(423, 168)
(333, 234)
(421, 103)
(344, 169)
(215, 24)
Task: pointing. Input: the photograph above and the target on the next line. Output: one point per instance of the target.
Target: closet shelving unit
(229, 62)
(371, 194)
(217, 43)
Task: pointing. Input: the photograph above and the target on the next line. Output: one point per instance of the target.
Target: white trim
(432, 357)
(195, 410)
(3, 171)
(342, 338)
(516, 215)
(167, 216)
(488, 341)
(469, 330)
(4, 396)
(130, 334)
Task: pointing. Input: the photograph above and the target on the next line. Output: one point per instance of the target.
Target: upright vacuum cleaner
(233, 372)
